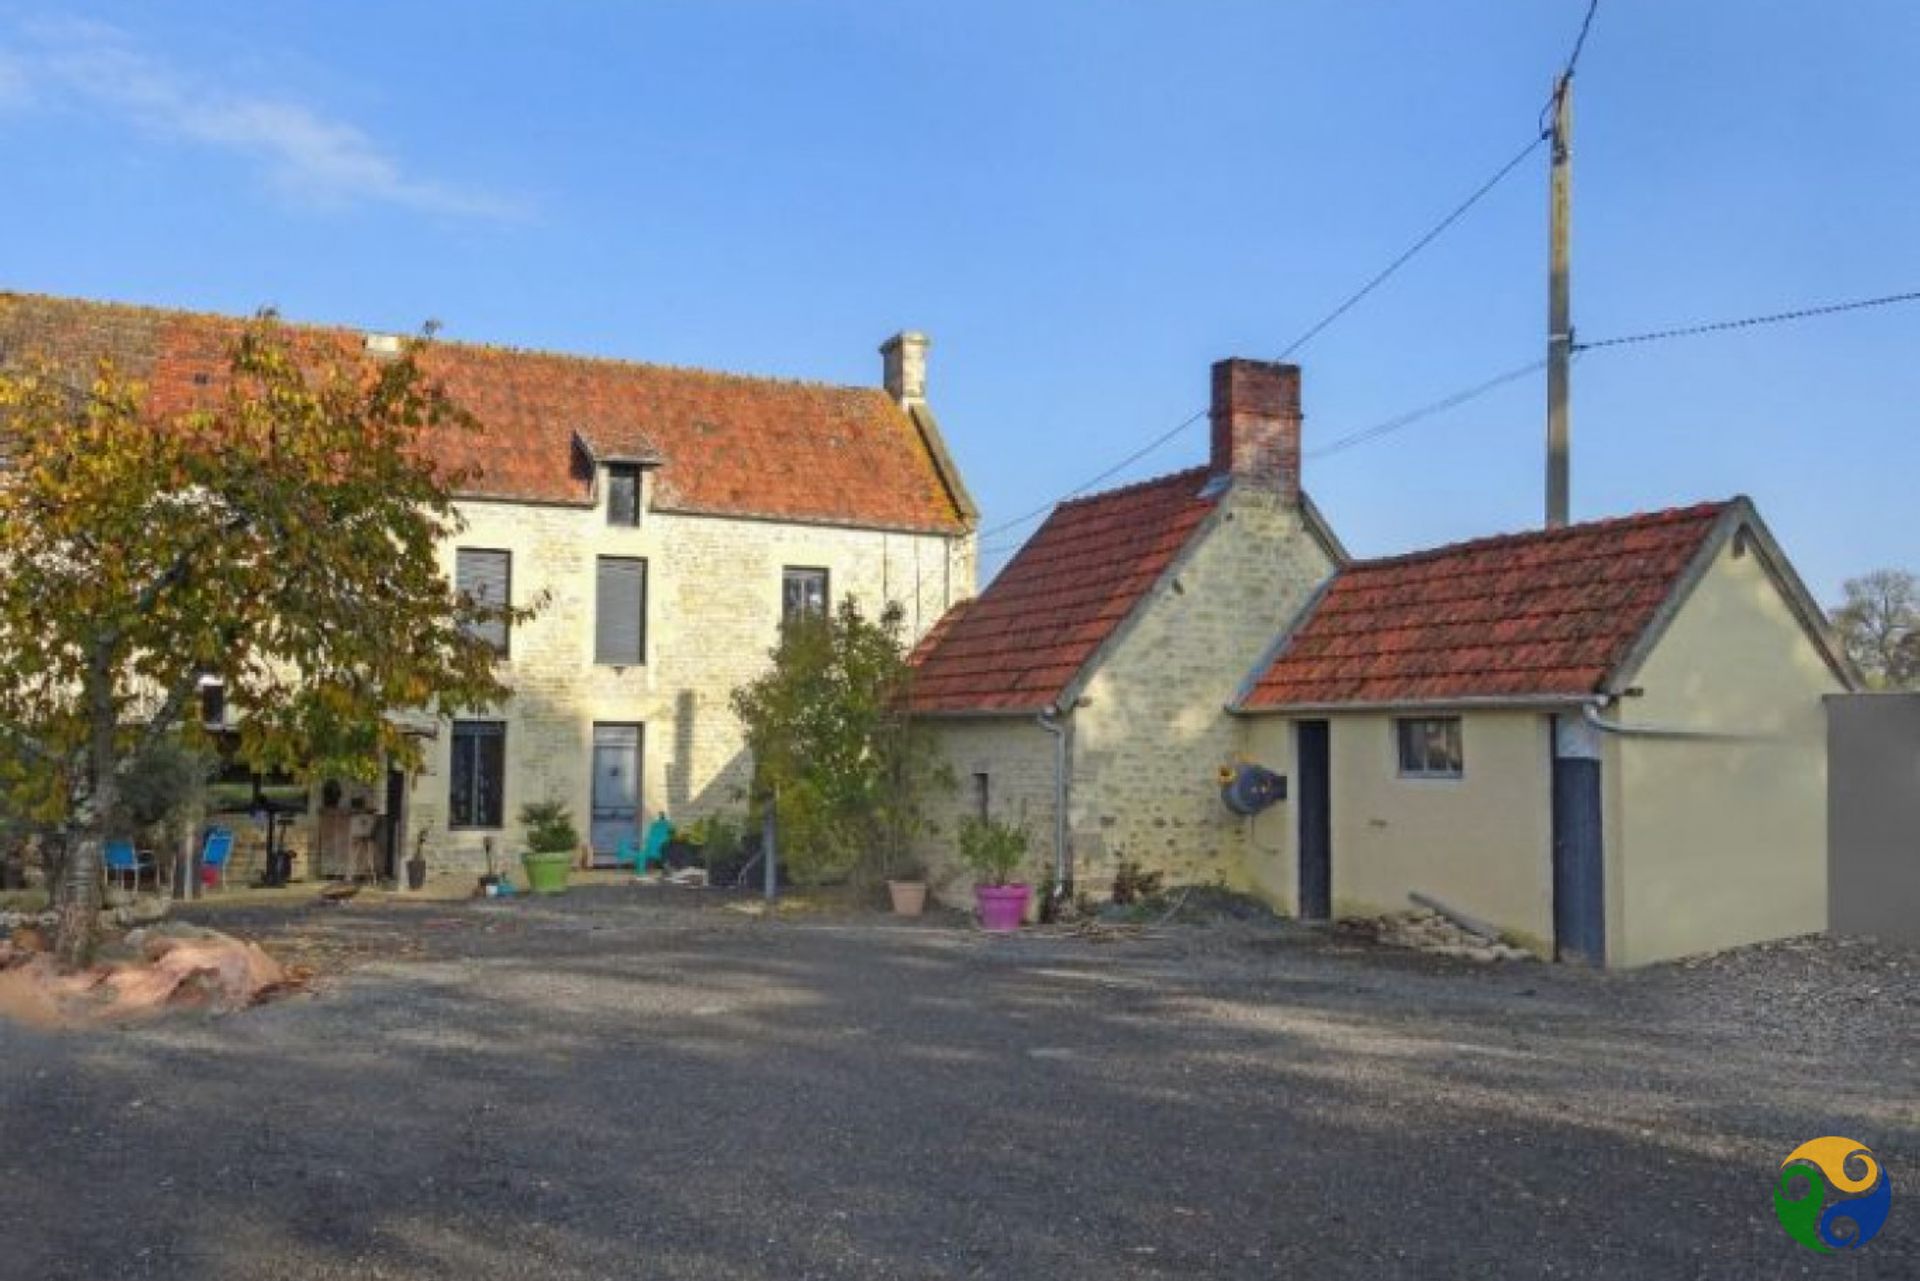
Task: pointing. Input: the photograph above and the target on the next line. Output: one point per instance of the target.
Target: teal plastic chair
(653, 850)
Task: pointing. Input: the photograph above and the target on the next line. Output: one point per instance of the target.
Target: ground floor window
(478, 775)
(1429, 747)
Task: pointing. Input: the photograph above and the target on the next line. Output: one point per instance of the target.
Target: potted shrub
(551, 839)
(993, 851)
(907, 887)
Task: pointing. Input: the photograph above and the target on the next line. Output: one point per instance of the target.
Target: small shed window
(486, 579)
(478, 774)
(1429, 747)
(623, 494)
(982, 797)
(620, 612)
(803, 594)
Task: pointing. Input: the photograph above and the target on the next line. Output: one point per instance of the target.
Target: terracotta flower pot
(1002, 907)
(909, 897)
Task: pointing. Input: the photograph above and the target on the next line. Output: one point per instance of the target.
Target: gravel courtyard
(643, 1083)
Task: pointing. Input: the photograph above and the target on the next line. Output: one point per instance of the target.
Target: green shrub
(992, 850)
(550, 828)
(835, 752)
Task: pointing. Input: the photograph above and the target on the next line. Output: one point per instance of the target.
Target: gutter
(1049, 720)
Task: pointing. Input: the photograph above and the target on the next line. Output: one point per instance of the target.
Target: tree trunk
(79, 929)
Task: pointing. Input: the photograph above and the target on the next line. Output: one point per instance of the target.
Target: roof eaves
(1323, 532)
(1464, 703)
(637, 456)
(935, 442)
(1739, 513)
(827, 522)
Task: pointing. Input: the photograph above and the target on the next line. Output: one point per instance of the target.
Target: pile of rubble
(1428, 931)
(147, 972)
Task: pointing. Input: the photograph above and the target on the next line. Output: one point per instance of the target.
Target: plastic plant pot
(1002, 907)
(909, 897)
(547, 873)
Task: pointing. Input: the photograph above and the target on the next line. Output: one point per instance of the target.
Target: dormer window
(623, 494)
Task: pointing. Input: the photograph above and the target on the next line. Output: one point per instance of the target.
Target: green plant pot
(547, 873)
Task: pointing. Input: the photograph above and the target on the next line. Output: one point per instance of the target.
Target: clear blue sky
(1083, 203)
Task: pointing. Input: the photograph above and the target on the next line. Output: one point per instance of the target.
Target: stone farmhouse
(671, 517)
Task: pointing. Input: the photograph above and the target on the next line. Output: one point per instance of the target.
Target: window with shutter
(623, 494)
(478, 774)
(486, 578)
(620, 612)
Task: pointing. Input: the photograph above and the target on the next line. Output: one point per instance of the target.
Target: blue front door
(616, 787)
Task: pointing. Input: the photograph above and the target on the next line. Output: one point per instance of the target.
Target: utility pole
(1559, 303)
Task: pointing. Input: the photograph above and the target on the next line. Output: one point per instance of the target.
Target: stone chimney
(905, 357)
(1256, 426)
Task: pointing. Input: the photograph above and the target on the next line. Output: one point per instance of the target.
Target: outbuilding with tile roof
(1607, 739)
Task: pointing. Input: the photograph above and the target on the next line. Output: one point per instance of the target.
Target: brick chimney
(905, 357)
(1256, 425)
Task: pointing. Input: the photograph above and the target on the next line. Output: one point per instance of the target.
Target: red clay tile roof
(729, 445)
(1547, 614)
(1019, 644)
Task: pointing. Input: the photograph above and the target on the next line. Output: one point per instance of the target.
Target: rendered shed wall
(1873, 815)
(1481, 843)
(1721, 842)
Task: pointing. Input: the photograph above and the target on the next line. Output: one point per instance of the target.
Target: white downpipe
(1590, 712)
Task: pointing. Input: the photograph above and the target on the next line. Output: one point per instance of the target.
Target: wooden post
(769, 851)
(1560, 306)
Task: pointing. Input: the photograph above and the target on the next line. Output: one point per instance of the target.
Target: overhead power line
(1580, 41)
(1313, 331)
(1748, 322)
(1433, 233)
(1401, 421)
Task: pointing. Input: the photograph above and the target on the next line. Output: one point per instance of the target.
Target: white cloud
(303, 153)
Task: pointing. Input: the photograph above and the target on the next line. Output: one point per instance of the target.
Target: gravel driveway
(634, 1083)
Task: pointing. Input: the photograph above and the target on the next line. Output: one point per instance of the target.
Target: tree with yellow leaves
(281, 539)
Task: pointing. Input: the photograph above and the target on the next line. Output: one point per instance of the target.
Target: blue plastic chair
(122, 859)
(216, 852)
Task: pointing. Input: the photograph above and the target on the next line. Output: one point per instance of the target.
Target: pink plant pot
(1002, 907)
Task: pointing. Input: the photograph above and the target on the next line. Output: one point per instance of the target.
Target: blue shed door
(1311, 763)
(1579, 880)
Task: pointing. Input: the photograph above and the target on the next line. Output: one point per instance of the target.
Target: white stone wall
(1017, 757)
(1150, 741)
(713, 614)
